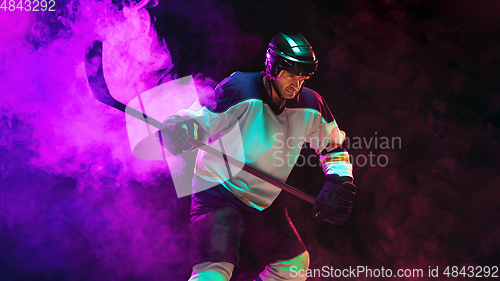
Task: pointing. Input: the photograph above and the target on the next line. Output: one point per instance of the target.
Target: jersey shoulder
(310, 99)
(236, 88)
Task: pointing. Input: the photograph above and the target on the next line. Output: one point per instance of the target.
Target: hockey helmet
(291, 53)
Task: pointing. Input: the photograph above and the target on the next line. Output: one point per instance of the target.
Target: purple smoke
(76, 204)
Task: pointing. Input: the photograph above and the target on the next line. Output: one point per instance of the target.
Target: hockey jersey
(271, 138)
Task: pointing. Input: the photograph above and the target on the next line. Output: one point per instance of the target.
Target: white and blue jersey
(271, 138)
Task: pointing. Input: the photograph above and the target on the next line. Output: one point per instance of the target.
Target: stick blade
(95, 74)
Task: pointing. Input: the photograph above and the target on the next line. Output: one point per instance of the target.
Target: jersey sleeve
(335, 158)
(330, 143)
(216, 116)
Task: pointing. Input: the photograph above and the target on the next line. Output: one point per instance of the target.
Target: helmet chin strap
(277, 91)
(282, 98)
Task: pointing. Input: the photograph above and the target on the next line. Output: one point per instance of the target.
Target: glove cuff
(336, 179)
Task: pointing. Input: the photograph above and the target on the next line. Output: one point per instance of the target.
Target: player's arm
(338, 191)
(200, 122)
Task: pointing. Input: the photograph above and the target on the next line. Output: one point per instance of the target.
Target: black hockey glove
(174, 135)
(336, 197)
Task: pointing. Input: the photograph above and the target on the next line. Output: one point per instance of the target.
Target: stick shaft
(95, 76)
(200, 145)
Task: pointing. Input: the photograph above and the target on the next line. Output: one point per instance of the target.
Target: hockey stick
(95, 76)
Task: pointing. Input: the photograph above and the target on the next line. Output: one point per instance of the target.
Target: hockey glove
(336, 197)
(175, 134)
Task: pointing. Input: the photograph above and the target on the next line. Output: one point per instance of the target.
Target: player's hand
(175, 134)
(336, 197)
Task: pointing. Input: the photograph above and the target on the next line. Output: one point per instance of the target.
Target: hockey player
(276, 114)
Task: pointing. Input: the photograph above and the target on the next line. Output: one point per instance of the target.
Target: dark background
(427, 72)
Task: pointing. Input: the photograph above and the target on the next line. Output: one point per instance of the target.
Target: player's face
(289, 84)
